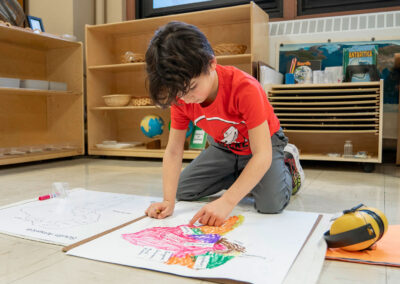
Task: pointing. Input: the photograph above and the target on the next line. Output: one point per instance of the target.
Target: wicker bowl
(131, 57)
(229, 49)
(117, 100)
(141, 101)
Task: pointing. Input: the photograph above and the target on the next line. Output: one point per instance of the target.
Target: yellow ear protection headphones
(357, 229)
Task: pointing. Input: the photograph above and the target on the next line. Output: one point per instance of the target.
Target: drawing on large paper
(247, 247)
(54, 218)
(196, 247)
(66, 214)
(64, 221)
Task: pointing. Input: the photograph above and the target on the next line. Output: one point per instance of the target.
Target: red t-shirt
(241, 104)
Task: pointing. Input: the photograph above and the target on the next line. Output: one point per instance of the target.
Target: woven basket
(141, 101)
(131, 57)
(8, 24)
(117, 100)
(229, 49)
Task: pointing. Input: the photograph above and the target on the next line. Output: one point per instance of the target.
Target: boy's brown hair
(177, 53)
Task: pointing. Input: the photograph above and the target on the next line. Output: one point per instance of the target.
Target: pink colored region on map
(171, 239)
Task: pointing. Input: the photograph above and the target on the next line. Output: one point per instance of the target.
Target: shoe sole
(297, 162)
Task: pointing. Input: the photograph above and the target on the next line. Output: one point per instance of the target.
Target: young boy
(246, 152)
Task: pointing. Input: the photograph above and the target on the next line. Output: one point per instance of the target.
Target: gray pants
(217, 168)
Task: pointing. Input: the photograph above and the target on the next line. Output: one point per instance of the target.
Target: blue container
(289, 78)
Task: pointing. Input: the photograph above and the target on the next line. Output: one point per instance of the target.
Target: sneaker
(292, 161)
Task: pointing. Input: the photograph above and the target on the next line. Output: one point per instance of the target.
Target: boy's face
(202, 86)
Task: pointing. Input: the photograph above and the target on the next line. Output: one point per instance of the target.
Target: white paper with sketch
(65, 221)
(249, 246)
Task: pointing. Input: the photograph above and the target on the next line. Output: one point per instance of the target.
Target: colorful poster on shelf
(331, 54)
(248, 247)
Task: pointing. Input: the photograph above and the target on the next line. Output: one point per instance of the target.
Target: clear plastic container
(348, 149)
(60, 189)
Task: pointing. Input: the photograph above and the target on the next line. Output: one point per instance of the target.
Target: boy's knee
(272, 205)
(269, 209)
(185, 196)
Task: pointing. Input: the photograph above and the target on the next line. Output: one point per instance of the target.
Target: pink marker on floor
(48, 196)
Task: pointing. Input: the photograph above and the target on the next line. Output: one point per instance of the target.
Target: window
(307, 7)
(152, 8)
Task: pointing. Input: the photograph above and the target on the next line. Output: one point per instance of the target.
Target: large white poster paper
(249, 247)
(65, 221)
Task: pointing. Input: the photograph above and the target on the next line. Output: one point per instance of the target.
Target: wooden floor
(329, 188)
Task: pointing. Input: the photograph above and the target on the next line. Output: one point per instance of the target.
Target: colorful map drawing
(196, 247)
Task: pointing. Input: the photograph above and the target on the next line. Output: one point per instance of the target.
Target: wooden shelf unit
(141, 151)
(105, 44)
(319, 118)
(40, 117)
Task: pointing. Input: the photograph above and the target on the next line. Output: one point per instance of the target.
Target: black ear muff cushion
(351, 237)
(378, 220)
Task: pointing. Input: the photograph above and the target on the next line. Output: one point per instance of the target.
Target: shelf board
(191, 154)
(140, 66)
(364, 85)
(124, 108)
(371, 108)
(350, 131)
(322, 157)
(24, 37)
(297, 98)
(329, 119)
(324, 103)
(45, 155)
(115, 68)
(328, 125)
(140, 152)
(234, 59)
(33, 92)
(325, 91)
(221, 16)
(376, 114)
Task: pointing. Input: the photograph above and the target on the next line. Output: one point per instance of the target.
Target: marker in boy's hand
(160, 210)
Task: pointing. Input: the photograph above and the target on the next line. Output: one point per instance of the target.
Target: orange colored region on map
(229, 224)
(185, 261)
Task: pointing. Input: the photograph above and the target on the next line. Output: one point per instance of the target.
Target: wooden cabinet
(40, 124)
(397, 66)
(245, 24)
(319, 118)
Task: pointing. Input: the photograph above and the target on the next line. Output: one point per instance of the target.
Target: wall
(83, 15)
(116, 11)
(57, 15)
(71, 16)
(110, 11)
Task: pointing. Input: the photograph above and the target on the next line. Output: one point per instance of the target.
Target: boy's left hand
(213, 213)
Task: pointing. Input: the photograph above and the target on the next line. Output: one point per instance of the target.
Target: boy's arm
(172, 166)
(215, 212)
(258, 165)
(172, 163)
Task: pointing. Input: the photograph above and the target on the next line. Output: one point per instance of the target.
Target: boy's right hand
(160, 210)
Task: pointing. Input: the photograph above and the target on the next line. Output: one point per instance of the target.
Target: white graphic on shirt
(230, 135)
(215, 118)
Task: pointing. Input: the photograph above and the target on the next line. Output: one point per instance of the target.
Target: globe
(152, 125)
(189, 130)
